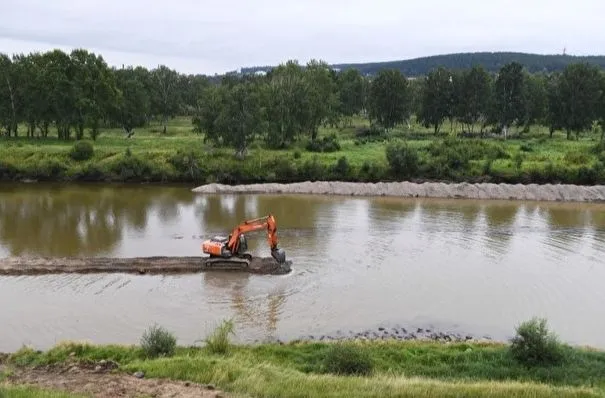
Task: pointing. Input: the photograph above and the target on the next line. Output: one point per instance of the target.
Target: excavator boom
(236, 244)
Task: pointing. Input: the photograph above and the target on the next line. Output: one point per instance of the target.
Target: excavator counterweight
(230, 251)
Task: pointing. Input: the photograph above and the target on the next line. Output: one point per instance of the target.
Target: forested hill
(491, 61)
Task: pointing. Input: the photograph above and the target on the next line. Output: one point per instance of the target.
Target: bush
(535, 345)
(218, 342)
(403, 160)
(157, 341)
(342, 167)
(347, 360)
(325, 144)
(82, 150)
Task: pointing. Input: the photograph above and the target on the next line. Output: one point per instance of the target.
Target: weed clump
(535, 345)
(347, 360)
(218, 342)
(82, 150)
(157, 341)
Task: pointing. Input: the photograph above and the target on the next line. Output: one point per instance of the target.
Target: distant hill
(491, 61)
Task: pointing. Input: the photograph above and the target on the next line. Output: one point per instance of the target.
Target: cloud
(216, 36)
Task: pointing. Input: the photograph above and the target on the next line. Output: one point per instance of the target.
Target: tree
(536, 100)
(510, 95)
(473, 97)
(323, 101)
(240, 118)
(287, 102)
(554, 115)
(579, 96)
(166, 97)
(437, 98)
(95, 90)
(8, 106)
(133, 104)
(351, 91)
(209, 107)
(389, 101)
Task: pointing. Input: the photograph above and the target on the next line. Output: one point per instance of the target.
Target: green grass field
(399, 369)
(181, 156)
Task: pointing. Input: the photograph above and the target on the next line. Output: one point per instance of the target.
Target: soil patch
(546, 192)
(97, 380)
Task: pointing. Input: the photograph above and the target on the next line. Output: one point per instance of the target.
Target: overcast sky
(212, 36)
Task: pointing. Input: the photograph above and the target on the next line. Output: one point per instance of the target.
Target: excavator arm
(254, 225)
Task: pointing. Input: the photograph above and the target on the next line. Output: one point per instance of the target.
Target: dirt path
(98, 381)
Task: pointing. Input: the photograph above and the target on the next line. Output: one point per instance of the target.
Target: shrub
(403, 160)
(157, 341)
(535, 345)
(218, 342)
(325, 144)
(342, 167)
(347, 360)
(82, 150)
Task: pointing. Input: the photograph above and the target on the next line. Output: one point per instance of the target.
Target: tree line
(78, 92)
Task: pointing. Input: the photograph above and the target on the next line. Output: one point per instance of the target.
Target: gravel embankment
(546, 192)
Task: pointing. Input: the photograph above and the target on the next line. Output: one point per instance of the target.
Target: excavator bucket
(279, 255)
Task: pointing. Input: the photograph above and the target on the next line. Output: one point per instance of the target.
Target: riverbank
(547, 192)
(306, 369)
(414, 154)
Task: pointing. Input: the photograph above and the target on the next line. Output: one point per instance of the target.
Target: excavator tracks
(228, 264)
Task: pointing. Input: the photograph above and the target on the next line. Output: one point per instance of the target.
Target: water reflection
(79, 221)
(260, 311)
(500, 219)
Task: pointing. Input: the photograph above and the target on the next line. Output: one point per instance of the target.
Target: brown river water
(466, 266)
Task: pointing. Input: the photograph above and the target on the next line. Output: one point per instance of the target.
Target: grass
(181, 156)
(400, 368)
(31, 392)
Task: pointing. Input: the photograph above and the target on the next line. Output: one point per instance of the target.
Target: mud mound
(134, 265)
(547, 192)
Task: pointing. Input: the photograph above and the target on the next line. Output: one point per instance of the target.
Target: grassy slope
(154, 158)
(400, 369)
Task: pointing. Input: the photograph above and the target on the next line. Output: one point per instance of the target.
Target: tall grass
(218, 342)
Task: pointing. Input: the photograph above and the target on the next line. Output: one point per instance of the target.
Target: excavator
(231, 250)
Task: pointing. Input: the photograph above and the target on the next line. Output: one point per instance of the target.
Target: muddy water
(475, 267)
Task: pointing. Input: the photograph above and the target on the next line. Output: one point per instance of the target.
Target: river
(477, 267)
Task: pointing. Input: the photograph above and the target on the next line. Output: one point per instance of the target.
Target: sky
(212, 36)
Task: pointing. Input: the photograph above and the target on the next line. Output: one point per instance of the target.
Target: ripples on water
(479, 267)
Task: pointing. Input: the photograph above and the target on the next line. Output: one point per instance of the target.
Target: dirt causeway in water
(136, 265)
(97, 380)
(546, 192)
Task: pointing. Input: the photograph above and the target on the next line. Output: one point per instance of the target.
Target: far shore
(464, 190)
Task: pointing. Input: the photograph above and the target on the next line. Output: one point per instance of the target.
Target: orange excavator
(231, 250)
